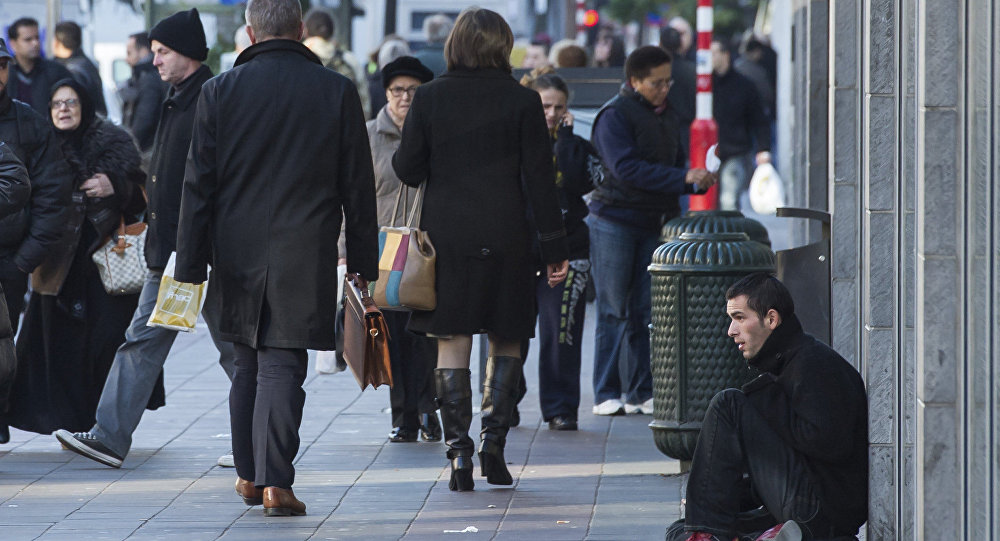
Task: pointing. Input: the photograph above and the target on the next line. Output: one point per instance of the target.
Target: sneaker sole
(619, 411)
(81, 449)
(790, 531)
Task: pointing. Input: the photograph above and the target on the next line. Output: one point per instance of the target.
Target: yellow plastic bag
(177, 303)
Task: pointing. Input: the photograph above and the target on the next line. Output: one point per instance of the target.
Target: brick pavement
(604, 482)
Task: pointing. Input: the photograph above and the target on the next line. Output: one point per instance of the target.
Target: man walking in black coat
(31, 77)
(68, 51)
(799, 430)
(279, 150)
(27, 235)
(143, 92)
(179, 45)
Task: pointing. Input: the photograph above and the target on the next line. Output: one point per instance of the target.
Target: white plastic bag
(766, 190)
(326, 361)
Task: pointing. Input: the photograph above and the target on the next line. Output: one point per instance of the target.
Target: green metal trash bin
(692, 358)
(715, 221)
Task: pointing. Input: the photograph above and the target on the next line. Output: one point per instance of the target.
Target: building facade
(896, 108)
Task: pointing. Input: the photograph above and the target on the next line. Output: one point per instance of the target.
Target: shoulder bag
(406, 279)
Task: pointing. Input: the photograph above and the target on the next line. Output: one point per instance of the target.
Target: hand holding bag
(366, 336)
(406, 262)
(121, 262)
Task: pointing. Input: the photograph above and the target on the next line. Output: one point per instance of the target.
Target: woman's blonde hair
(481, 39)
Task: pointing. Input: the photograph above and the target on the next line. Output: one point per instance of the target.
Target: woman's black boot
(499, 399)
(454, 391)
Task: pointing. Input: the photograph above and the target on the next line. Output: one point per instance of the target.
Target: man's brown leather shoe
(281, 502)
(251, 495)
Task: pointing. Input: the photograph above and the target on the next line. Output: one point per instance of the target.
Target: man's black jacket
(26, 236)
(142, 95)
(816, 402)
(45, 74)
(739, 114)
(166, 169)
(86, 73)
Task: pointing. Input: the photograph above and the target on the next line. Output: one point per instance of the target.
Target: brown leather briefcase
(366, 337)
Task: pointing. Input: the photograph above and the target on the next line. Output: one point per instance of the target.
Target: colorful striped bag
(406, 262)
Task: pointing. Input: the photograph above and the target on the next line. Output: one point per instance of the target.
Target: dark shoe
(562, 422)
(454, 391)
(4, 434)
(403, 435)
(430, 428)
(86, 444)
(281, 502)
(499, 401)
(515, 417)
(251, 494)
(461, 474)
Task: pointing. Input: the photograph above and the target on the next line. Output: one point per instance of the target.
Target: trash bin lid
(715, 221)
(731, 252)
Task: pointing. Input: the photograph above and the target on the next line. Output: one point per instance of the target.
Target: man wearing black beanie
(179, 49)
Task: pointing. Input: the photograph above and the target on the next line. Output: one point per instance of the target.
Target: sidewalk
(605, 482)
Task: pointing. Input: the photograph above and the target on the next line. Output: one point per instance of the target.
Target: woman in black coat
(478, 141)
(72, 326)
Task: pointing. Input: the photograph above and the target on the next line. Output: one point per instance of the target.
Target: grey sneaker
(86, 444)
(227, 460)
(789, 531)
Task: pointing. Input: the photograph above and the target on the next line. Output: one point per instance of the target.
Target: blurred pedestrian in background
(267, 221)
(27, 236)
(436, 30)
(561, 309)
(31, 76)
(570, 56)
(241, 40)
(743, 126)
(412, 356)
(684, 89)
(72, 326)
(638, 137)
(536, 54)
(179, 49)
(142, 93)
(68, 51)
(609, 51)
(320, 31)
(687, 49)
(477, 119)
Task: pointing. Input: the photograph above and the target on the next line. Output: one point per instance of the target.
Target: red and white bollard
(581, 28)
(704, 132)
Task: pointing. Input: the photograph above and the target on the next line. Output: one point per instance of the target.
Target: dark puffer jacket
(14, 193)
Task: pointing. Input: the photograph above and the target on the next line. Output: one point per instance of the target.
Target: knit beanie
(183, 33)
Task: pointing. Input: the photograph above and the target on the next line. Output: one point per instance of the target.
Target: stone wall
(912, 171)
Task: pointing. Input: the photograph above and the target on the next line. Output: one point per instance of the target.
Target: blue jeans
(734, 179)
(619, 256)
(135, 369)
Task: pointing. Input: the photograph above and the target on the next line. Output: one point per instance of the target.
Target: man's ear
(253, 39)
(772, 319)
(302, 30)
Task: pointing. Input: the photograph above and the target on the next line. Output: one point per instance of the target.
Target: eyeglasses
(662, 83)
(397, 91)
(70, 103)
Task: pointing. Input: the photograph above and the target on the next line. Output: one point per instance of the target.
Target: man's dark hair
(754, 45)
(763, 292)
(670, 40)
(69, 34)
(15, 27)
(643, 60)
(319, 23)
(141, 40)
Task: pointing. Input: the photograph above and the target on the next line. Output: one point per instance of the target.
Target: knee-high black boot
(499, 399)
(454, 390)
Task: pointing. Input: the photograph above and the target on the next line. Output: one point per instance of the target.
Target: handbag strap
(122, 244)
(409, 215)
(399, 196)
(418, 206)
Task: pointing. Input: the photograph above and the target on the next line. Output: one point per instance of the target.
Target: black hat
(183, 33)
(405, 65)
(4, 53)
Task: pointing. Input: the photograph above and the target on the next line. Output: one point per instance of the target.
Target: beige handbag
(406, 279)
(121, 262)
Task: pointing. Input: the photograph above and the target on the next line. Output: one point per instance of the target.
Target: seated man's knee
(727, 399)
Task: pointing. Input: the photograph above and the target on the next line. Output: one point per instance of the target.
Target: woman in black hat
(412, 356)
(72, 326)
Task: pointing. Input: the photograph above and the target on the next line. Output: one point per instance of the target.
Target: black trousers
(561, 310)
(14, 290)
(412, 359)
(265, 411)
(736, 440)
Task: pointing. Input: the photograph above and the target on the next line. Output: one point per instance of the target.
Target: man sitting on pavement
(799, 431)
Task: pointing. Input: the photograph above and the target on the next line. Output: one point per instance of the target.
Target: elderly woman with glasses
(477, 141)
(412, 356)
(72, 326)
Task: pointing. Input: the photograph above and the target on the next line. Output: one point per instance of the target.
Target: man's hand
(98, 185)
(701, 178)
(557, 272)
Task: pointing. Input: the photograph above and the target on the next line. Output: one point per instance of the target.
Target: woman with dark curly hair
(72, 326)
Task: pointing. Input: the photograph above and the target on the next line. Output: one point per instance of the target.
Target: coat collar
(275, 45)
(784, 341)
(486, 73)
(385, 125)
(185, 94)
